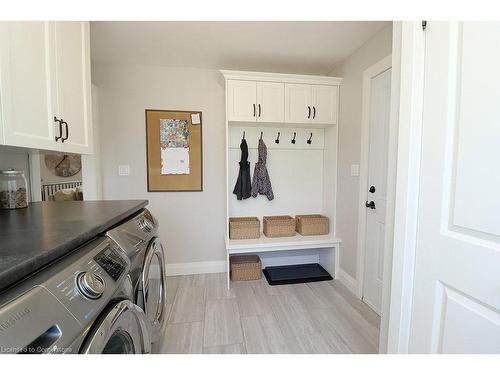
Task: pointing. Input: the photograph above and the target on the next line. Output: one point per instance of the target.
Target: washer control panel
(90, 285)
(111, 261)
(87, 278)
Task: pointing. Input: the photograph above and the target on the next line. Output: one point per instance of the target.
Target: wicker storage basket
(241, 228)
(279, 226)
(245, 267)
(310, 225)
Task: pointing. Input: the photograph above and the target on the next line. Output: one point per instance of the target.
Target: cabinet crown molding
(280, 77)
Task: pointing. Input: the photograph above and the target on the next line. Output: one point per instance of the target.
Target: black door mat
(296, 274)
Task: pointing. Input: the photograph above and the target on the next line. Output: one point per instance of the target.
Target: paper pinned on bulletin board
(174, 143)
(195, 119)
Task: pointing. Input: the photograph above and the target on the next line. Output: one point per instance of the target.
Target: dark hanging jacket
(243, 187)
(261, 183)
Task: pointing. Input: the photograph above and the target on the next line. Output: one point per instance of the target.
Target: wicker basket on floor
(242, 228)
(279, 226)
(245, 267)
(310, 225)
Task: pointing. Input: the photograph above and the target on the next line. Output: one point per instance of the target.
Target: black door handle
(308, 111)
(259, 110)
(372, 189)
(254, 110)
(370, 205)
(67, 130)
(314, 112)
(60, 128)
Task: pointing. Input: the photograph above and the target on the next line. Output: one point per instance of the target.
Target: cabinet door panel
(73, 80)
(324, 99)
(270, 101)
(26, 92)
(297, 103)
(241, 100)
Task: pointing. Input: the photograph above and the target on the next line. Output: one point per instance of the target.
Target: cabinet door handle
(314, 112)
(60, 129)
(254, 110)
(259, 110)
(67, 131)
(308, 111)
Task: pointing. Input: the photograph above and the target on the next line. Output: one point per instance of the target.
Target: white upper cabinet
(281, 98)
(298, 108)
(73, 81)
(324, 104)
(255, 101)
(311, 103)
(27, 84)
(241, 100)
(45, 85)
(270, 101)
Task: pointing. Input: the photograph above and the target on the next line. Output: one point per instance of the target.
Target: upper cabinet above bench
(256, 101)
(281, 98)
(311, 103)
(45, 86)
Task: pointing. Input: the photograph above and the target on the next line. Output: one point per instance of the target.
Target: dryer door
(124, 329)
(151, 295)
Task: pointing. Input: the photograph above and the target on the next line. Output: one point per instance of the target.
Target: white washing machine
(138, 238)
(83, 303)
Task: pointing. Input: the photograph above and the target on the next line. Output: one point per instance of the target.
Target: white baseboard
(346, 279)
(176, 269)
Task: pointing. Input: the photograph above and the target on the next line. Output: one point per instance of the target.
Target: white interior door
(270, 101)
(456, 296)
(379, 114)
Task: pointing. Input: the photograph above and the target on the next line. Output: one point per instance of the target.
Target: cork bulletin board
(174, 150)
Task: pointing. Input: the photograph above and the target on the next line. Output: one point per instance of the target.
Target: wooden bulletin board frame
(175, 182)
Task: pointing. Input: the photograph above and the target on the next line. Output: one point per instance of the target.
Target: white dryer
(138, 237)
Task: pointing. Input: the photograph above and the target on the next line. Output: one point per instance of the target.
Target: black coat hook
(278, 139)
(260, 135)
(243, 134)
(293, 140)
(309, 141)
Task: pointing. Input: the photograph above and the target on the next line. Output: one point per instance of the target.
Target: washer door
(124, 329)
(151, 294)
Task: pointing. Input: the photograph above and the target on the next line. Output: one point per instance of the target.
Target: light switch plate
(354, 170)
(123, 170)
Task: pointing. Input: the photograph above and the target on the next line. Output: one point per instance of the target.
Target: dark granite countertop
(32, 237)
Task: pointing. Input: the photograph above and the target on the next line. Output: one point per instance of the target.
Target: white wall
(351, 70)
(192, 224)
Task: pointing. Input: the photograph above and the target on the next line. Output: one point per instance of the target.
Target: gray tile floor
(254, 317)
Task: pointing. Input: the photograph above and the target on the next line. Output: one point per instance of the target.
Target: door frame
(411, 91)
(371, 72)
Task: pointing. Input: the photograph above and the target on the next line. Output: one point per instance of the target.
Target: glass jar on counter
(13, 192)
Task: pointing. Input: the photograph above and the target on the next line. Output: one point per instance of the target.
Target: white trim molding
(177, 269)
(347, 280)
(371, 72)
(280, 77)
(391, 186)
(407, 185)
(35, 178)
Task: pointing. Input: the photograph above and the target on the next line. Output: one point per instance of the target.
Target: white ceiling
(288, 47)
